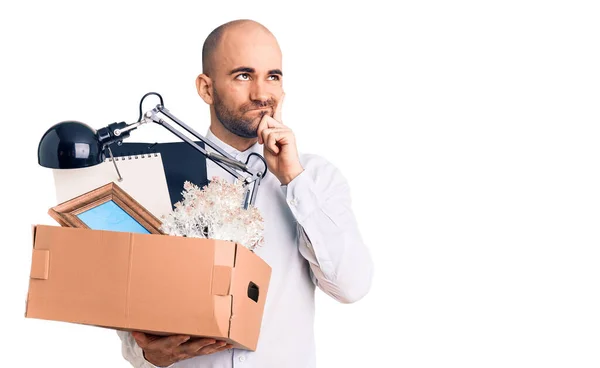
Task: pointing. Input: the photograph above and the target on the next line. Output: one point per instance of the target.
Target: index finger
(163, 343)
(261, 126)
(277, 114)
(174, 341)
(197, 344)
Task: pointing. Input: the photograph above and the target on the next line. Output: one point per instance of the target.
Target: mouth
(261, 109)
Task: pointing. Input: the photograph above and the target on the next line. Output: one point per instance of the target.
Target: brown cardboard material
(159, 284)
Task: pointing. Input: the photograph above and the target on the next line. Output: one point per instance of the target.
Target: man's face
(247, 80)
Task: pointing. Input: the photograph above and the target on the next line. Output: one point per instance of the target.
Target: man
(311, 236)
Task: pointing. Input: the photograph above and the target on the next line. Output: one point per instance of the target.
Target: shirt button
(242, 358)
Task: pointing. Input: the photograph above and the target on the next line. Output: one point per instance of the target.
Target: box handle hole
(253, 291)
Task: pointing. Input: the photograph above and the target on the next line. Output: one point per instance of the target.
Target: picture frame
(108, 207)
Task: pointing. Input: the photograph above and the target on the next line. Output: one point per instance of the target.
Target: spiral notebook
(180, 160)
(143, 178)
(153, 174)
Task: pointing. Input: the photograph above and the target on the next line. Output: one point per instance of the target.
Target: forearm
(329, 237)
(340, 262)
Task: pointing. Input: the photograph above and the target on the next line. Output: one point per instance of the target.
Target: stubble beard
(236, 122)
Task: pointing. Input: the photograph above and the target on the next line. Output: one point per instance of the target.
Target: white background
(468, 131)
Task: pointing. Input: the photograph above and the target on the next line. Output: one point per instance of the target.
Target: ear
(204, 88)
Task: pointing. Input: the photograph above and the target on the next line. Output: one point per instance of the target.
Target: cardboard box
(159, 284)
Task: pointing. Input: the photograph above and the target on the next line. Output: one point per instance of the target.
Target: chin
(252, 128)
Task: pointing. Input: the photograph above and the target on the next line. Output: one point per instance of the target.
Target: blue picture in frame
(109, 216)
(107, 208)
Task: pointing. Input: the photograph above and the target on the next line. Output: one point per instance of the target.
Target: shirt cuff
(301, 196)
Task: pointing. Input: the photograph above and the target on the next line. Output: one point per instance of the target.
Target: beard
(237, 122)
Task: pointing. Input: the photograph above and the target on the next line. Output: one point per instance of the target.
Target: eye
(243, 76)
(274, 77)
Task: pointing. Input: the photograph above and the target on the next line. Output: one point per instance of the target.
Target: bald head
(242, 78)
(229, 30)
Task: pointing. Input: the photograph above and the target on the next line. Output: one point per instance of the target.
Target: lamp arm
(209, 155)
(167, 113)
(221, 158)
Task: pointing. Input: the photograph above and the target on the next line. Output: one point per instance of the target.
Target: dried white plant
(215, 212)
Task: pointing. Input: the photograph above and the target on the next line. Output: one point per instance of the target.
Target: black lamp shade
(70, 145)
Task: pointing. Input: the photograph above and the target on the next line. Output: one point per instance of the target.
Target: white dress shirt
(311, 239)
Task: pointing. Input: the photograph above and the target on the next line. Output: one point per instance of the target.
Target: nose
(259, 91)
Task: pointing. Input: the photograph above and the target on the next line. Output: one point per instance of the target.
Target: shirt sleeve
(132, 352)
(330, 240)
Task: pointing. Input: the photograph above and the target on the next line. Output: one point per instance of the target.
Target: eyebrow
(246, 69)
(242, 69)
